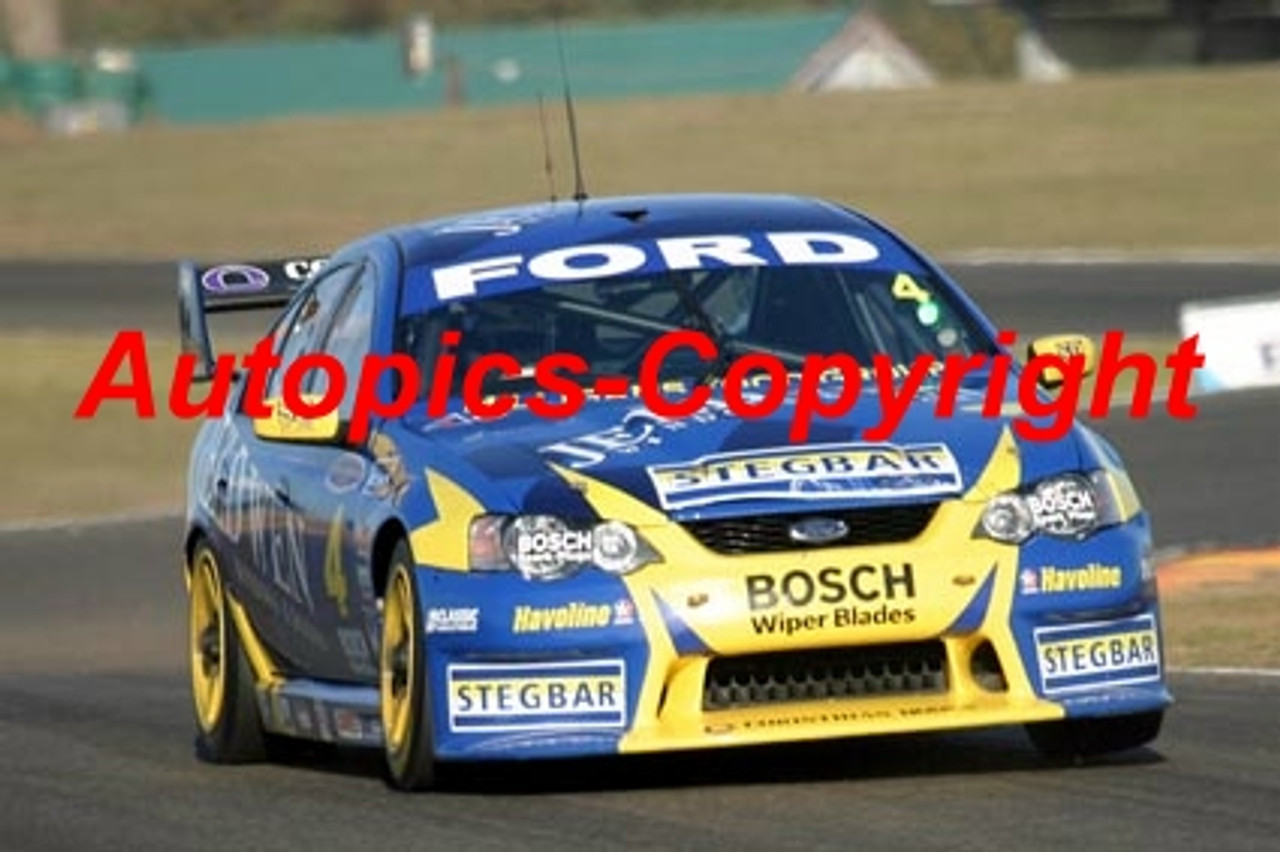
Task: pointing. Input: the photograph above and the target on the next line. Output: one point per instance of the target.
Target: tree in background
(33, 28)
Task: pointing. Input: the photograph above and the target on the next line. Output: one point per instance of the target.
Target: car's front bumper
(597, 664)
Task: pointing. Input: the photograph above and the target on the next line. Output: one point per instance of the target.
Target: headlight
(1007, 518)
(1068, 506)
(615, 547)
(546, 547)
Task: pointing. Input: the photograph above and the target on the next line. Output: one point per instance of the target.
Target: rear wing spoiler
(204, 290)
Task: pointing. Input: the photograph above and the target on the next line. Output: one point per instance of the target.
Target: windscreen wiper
(708, 326)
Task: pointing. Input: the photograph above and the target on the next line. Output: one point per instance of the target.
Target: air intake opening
(984, 665)
(772, 533)
(903, 669)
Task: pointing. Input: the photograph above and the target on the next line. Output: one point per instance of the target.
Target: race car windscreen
(786, 311)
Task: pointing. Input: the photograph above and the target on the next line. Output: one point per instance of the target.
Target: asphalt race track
(95, 719)
(95, 744)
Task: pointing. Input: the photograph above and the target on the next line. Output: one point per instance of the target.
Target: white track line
(1224, 671)
(122, 518)
(1090, 257)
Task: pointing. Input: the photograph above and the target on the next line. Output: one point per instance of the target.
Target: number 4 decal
(335, 580)
(906, 289)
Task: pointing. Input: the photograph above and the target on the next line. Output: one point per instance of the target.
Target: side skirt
(342, 713)
(346, 714)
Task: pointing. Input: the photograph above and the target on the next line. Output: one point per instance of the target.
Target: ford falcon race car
(453, 584)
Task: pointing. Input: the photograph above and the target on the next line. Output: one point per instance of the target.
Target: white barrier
(1240, 340)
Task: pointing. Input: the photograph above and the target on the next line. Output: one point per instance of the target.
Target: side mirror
(283, 425)
(1062, 346)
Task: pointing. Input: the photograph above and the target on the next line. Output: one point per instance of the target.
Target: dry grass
(1171, 160)
(59, 466)
(1230, 620)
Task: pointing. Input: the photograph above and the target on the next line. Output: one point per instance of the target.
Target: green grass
(1164, 161)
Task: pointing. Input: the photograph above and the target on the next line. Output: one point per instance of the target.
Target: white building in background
(864, 54)
(1037, 62)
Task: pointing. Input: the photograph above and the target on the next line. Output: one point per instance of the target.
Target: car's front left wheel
(228, 728)
(404, 687)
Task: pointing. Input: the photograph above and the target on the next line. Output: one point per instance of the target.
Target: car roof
(537, 227)
(496, 252)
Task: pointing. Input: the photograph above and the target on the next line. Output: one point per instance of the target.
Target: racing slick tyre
(228, 728)
(403, 684)
(1070, 738)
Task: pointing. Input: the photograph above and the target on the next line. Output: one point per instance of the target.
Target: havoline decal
(817, 472)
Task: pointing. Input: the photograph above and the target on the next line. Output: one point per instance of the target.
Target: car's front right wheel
(1093, 736)
(404, 684)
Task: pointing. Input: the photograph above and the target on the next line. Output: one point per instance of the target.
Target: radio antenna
(547, 165)
(579, 185)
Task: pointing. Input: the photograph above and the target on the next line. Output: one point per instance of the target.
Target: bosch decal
(841, 597)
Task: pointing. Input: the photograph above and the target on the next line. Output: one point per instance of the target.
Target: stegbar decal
(485, 697)
(1086, 656)
(816, 472)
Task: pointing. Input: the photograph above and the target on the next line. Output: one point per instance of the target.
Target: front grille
(909, 668)
(772, 533)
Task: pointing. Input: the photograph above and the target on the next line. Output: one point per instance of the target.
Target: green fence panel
(492, 65)
(6, 82)
(124, 87)
(43, 85)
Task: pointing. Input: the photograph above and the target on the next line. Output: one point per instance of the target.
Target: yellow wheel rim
(208, 641)
(397, 662)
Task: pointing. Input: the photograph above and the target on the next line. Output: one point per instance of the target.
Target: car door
(324, 484)
(283, 580)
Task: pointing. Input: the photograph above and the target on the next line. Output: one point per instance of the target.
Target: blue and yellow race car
(455, 582)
